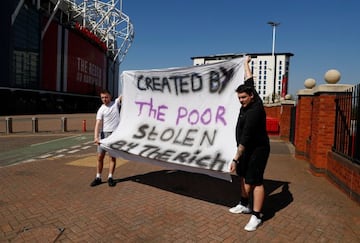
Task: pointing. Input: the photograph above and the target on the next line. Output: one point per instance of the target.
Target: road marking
(76, 146)
(61, 150)
(45, 156)
(73, 151)
(53, 141)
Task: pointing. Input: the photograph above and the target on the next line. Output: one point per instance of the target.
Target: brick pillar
(323, 125)
(273, 110)
(303, 123)
(285, 119)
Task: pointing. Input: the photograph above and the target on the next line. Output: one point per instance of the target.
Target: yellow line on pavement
(90, 161)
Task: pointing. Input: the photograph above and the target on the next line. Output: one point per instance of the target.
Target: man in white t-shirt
(107, 120)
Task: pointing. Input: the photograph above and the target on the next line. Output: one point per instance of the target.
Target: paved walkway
(50, 200)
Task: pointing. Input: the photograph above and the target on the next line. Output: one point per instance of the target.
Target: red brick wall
(322, 126)
(303, 125)
(273, 111)
(344, 174)
(314, 137)
(285, 121)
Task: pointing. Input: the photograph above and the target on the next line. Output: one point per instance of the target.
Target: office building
(271, 81)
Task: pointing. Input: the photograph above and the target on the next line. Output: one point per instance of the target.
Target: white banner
(184, 118)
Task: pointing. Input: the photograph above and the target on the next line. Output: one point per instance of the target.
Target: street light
(274, 25)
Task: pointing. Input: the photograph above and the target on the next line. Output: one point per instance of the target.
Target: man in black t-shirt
(253, 149)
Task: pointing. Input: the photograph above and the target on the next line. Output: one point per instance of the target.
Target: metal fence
(292, 125)
(347, 124)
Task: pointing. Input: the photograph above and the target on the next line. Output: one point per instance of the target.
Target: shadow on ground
(214, 190)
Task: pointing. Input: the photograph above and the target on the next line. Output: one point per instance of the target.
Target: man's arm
(120, 99)
(97, 131)
(248, 73)
(239, 152)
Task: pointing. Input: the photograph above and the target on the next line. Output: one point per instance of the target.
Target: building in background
(56, 55)
(271, 81)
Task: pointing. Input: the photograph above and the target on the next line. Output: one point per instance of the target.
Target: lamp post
(274, 25)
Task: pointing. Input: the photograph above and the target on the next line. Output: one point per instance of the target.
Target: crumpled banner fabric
(182, 118)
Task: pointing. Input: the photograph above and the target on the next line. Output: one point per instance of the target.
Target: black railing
(347, 124)
(292, 125)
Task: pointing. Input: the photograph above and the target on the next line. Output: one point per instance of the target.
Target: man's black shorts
(252, 165)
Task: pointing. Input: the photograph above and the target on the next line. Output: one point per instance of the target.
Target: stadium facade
(56, 55)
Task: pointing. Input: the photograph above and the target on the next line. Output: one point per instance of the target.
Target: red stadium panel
(86, 66)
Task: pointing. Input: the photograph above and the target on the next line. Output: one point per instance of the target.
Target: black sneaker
(96, 182)
(111, 181)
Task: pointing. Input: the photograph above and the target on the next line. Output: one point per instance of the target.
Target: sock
(257, 214)
(110, 176)
(244, 201)
(98, 175)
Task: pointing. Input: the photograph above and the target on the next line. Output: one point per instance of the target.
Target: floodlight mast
(106, 20)
(274, 25)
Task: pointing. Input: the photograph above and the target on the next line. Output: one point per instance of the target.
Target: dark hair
(245, 88)
(105, 91)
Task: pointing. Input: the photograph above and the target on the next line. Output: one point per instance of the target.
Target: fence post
(63, 124)
(323, 124)
(35, 124)
(9, 127)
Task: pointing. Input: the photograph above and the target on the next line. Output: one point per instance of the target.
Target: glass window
(26, 49)
(25, 66)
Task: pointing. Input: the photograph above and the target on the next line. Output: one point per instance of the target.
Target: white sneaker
(240, 209)
(253, 223)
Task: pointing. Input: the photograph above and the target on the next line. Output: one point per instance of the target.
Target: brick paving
(50, 200)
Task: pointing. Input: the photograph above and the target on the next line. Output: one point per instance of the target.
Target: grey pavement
(48, 199)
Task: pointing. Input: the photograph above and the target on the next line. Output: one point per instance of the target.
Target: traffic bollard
(63, 124)
(35, 124)
(84, 125)
(9, 127)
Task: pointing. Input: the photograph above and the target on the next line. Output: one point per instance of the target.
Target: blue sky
(322, 34)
